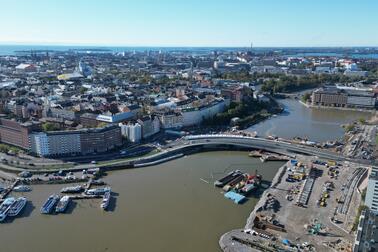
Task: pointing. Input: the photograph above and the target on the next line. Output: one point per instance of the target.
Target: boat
(50, 203)
(98, 191)
(229, 177)
(253, 183)
(72, 189)
(5, 207)
(248, 188)
(106, 200)
(234, 182)
(63, 204)
(22, 188)
(17, 207)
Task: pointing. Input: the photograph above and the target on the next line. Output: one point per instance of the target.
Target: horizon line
(174, 46)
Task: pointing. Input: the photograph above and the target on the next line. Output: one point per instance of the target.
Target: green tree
(82, 90)
(48, 127)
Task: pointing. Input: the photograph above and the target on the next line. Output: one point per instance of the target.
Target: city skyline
(193, 24)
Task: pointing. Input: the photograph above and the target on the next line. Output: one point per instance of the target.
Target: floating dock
(235, 197)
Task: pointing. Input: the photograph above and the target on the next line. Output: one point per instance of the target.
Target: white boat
(62, 204)
(17, 207)
(22, 188)
(50, 204)
(98, 191)
(106, 200)
(72, 189)
(4, 208)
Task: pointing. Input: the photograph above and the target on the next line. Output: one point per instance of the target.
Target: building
(341, 96)
(367, 232)
(195, 115)
(15, 133)
(171, 120)
(371, 199)
(55, 143)
(358, 73)
(23, 68)
(81, 142)
(60, 113)
(150, 126)
(133, 132)
(89, 120)
(116, 118)
(361, 99)
(332, 97)
(98, 140)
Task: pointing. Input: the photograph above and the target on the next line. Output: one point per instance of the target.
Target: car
(93, 162)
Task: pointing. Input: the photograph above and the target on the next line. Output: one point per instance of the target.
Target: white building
(194, 116)
(116, 117)
(371, 199)
(171, 120)
(55, 143)
(133, 132)
(150, 126)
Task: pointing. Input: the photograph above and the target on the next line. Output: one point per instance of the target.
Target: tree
(48, 127)
(83, 90)
(306, 97)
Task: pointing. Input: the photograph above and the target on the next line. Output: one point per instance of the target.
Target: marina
(123, 223)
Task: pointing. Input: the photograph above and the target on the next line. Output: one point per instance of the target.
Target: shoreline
(372, 111)
(225, 241)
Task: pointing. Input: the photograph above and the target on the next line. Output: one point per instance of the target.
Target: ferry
(63, 204)
(22, 188)
(50, 203)
(17, 207)
(5, 207)
(106, 200)
(98, 191)
(72, 189)
(228, 178)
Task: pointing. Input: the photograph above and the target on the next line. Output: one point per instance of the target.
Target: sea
(13, 50)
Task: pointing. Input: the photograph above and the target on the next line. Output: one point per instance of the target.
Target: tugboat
(50, 203)
(5, 207)
(62, 204)
(72, 189)
(106, 200)
(22, 188)
(17, 207)
(252, 184)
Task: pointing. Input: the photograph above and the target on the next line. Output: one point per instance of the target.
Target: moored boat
(22, 188)
(229, 177)
(17, 207)
(98, 191)
(63, 204)
(5, 207)
(72, 189)
(233, 182)
(50, 203)
(106, 200)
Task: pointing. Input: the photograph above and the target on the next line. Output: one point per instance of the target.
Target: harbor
(138, 194)
(306, 201)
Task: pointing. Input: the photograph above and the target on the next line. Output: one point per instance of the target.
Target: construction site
(311, 206)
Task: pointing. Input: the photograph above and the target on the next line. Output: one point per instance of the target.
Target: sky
(231, 23)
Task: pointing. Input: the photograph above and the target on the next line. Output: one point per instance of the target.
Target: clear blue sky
(190, 22)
